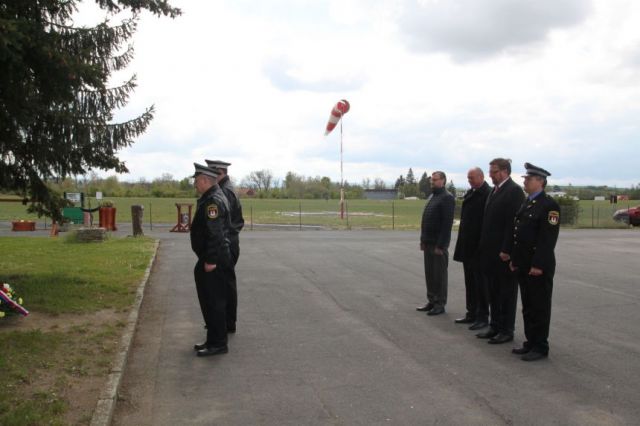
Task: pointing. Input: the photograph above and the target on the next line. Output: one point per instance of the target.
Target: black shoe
(465, 320)
(521, 351)
(487, 334)
(478, 325)
(199, 346)
(436, 311)
(500, 338)
(231, 328)
(213, 350)
(533, 356)
(425, 308)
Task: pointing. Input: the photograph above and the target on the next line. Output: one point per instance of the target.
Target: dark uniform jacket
(471, 223)
(235, 209)
(437, 219)
(535, 233)
(209, 239)
(497, 223)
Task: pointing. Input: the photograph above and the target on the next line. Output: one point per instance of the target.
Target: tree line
(263, 184)
(260, 184)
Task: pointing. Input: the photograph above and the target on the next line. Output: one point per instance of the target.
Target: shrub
(568, 210)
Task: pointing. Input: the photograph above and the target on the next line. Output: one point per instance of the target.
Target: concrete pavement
(328, 334)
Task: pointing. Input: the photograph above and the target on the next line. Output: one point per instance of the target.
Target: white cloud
(469, 29)
(253, 83)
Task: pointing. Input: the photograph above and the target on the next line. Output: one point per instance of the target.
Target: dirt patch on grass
(62, 322)
(74, 372)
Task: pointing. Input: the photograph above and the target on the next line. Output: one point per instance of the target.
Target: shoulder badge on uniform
(554, 217)
(212, 211)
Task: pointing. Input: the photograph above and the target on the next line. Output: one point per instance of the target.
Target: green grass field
(77, 295)
(397, 214)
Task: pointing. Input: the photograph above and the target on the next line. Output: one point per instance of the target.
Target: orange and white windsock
(341, 108)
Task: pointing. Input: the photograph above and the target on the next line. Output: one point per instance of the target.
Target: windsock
(342, 107)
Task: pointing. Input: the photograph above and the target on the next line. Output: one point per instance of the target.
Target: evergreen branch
(90, 103)
(157, 7)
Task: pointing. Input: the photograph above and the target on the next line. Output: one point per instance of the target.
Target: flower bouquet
(10, 303)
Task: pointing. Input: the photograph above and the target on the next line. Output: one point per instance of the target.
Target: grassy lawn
(384, 214)
(54, 362)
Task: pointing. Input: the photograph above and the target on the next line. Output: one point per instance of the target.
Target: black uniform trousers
(213, 288)
(436, 275)
(536, 309)
(232, 297)
(503, 298)
(477, 295)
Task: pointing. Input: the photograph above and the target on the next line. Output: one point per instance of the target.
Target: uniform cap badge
(212, 211)
(554, 217)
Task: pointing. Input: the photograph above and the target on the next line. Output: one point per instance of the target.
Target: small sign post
(184, 218)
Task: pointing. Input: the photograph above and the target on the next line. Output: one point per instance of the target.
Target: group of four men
(505, 238)
(215, 241)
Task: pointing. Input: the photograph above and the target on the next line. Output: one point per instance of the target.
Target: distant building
(562, 194)
(246, 192)
(381, 194)
(557, 193)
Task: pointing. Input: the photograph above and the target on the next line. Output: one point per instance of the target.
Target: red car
(630, 216)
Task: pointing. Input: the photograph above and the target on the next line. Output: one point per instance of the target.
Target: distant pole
(251, 216)
(150, 221)
(300, 214)
(393, 215)
(341, 178)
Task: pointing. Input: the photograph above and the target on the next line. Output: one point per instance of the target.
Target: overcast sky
(433, 85)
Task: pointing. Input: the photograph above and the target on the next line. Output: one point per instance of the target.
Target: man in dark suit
(495, 248)
(466, 251)
(435, 236)
(535, 233)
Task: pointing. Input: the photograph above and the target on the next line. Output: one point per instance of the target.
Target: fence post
(150, 215)
(137, 213)
(300, 214)
(346, 211)
(251, 209)
(393, 215)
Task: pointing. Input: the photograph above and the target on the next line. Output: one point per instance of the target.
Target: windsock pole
(341, 177)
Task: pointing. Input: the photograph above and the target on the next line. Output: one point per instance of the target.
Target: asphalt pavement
(328, 334)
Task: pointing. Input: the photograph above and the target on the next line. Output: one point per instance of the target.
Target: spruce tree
(452, 188)
(56, 105)
(411, 187)
(424, 185)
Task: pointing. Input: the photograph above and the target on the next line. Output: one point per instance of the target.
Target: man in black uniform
(535, 233)
(237, 222)
(210, 243)
(466, 251)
